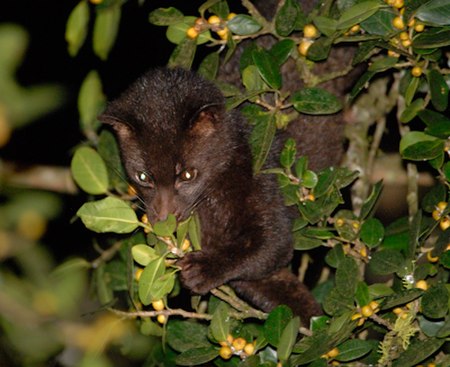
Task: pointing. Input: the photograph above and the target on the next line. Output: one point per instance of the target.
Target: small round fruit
(366, 311)
(397, 310)
(355, 28)
(231, 16)
(445, 223)
(223, 33)
(239, 344)
(404, 36)
(374, 305)
(431, 258)
(310, 31)
(333, 353)
(192, 33)
(225, 352)
(398, 23)
(416, 71)
(406, 43)
(158, 305)
(185, 245)
(441, 206)
(398, 4)
(96, 2)
(249, 349)
(419, 27)
(214, 20)
(138, 273)
(422, 284)
(304, 46)
(356, 316)
(393, 53)
(161, 319)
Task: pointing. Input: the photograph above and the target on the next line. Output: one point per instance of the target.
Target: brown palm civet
(184, 152)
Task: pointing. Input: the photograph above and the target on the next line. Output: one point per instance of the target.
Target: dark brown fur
(171, 122)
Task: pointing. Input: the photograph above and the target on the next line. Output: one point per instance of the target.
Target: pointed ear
(204, 121)
(122, 129)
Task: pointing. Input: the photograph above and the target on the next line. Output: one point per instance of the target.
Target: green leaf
(417, 352)
(276, 322)
(209, 66)
(438, 125)
(436, 12)
(412, 110)
(197, 356)
(433, 38)
(372, 232)
(287, 156)
(91, 101)
(77, 27)
(325, 25)
(154, 270)
(386, 262)
(309, 179)
(347, 277)
(305, 243)
(105, 31)
(195, 232)
(108, 215)
(438, 90)
(369, 204)
(286, 18)
(411, 90)
(89, 171)
(383, 64)
(357, 14)
(220, 322)
(362, 294)
(261, 140)
(379, 23)
(252, 80)
(183, 54)
(435, 302)
(165, 16)
(163, 285)
(220, 8)
(281, 50)
(268, 68)
(353, 349)
(176, 33)
(166, 227)
(143, 254)
(320, 49)
(418, 146)
(361, 84)
(183, 335)
(316, 101)
(288, 339)
(108, 149)
(243, 25)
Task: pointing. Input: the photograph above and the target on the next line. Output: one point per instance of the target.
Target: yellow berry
(416, 71)
(374, 305)
(333, 353)
(310, 31)
(398, 4)
(223, 33)
(422, 284)
(225, 352)
(356, 316)
(339, 222)
(144, 218)
(431, 365)
(393, 53)
(96, 2)
(436, 214)
(138, 273)
(158, 305)
(355, 225)
(431, 258)
(131, 191)
(214, 20)
(419, 27)
(398, 23)
(355, 28)
(311, 197)
(366, 311)
(249, 349)
(361, 321)
(404, 36)
(445, 223)
(161, 319)
(406, 43)
(231, 16)
(239, 344)
(441, 206)
(403, 315)
(411, 22)
(304, 46)
(363, 251)
(397, 311)
(185, 245)
(192, 33)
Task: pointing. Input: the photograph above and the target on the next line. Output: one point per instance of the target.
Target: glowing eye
(144, 178)
(188, 175)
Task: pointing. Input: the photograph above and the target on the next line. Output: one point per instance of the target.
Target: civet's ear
(204, 121)
(120, 127)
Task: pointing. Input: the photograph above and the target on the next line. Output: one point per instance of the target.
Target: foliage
(387, 300)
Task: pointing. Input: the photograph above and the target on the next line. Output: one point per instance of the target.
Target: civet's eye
(188, 174)
(144, 179)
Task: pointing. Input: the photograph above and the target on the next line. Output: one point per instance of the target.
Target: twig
(166, 312)
(106, 255)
